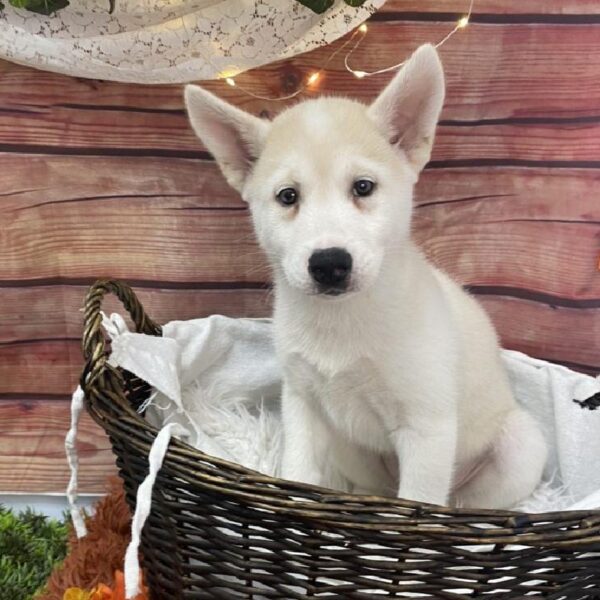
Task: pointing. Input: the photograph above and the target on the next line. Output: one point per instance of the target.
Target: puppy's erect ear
(408, 109)
(234, 137)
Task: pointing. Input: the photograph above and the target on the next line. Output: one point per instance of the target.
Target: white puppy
(388, 364)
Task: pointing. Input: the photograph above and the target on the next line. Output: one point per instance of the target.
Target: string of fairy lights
(353, 42)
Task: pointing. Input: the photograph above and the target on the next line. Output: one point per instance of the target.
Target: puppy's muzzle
(330, 269)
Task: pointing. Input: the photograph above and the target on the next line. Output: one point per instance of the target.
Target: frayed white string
(115, 326)
(149, 401)
(143, 504)
(73, 460)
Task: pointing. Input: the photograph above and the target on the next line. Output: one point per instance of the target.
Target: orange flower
(76, 594)
(103, 592)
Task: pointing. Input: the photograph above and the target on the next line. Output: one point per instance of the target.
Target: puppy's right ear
(408, 109)
(234, 137)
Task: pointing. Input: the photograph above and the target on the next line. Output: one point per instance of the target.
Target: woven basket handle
(93, 342)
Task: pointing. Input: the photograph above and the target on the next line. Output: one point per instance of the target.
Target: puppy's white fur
(398, 381)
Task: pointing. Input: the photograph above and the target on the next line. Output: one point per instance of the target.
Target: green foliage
(320, 6)
(43, 7)
(47, 7)
(30, 546)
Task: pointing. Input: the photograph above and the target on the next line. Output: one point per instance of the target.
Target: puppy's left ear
(234, 137)
(408, 109)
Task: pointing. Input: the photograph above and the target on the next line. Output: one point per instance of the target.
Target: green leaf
(355, 3)
(30, 547)
(318, 6)
(42, 7)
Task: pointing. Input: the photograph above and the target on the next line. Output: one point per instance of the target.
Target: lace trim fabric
(170, 41)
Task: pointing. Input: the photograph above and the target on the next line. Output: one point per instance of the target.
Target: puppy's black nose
(331, 267)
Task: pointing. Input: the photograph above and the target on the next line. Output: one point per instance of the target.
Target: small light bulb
(313, 78)
(359, 74)
(231, 71)
(363, 28)
(230, 81)
(463, 22)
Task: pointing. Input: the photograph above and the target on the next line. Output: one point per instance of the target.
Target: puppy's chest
(357, 403)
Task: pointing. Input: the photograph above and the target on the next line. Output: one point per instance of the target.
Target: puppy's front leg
(426, 459)
(304, 437)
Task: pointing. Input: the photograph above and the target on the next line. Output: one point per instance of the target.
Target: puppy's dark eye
(363, 187)
(287, 196)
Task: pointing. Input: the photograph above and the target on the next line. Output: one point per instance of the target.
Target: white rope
(73, 459)
(143, 505)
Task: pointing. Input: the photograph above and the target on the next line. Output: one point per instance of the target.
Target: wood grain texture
(40, 329)
(38, 313)
(531, 229)
(538, 230)
(492, 72)
(172, 246)
(501, 7)
(548, 332)
(119, 132)
(32, 453)
(44, 367)
(527, 142)
(49, 367)
(45, 182)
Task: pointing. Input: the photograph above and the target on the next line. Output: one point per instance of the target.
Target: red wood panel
(492, 71)
(36, 182)
(48, 367)
(126, 133)
(86, 240)
(546, 242)
(32, 452)
(508, 193)
(538, 231)
(217, 247)
(543, 7)
(38, 313)
(548, 332)
(544, 143)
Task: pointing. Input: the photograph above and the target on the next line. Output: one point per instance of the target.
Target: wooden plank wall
(106, 179)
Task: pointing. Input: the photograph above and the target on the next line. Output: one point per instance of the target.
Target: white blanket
(219, 378)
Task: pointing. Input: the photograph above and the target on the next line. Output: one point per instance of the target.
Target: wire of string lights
(354, 41)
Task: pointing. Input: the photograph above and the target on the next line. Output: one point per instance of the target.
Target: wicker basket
(219, 530)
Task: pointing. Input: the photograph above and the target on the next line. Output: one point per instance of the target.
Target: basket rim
(319, 503)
